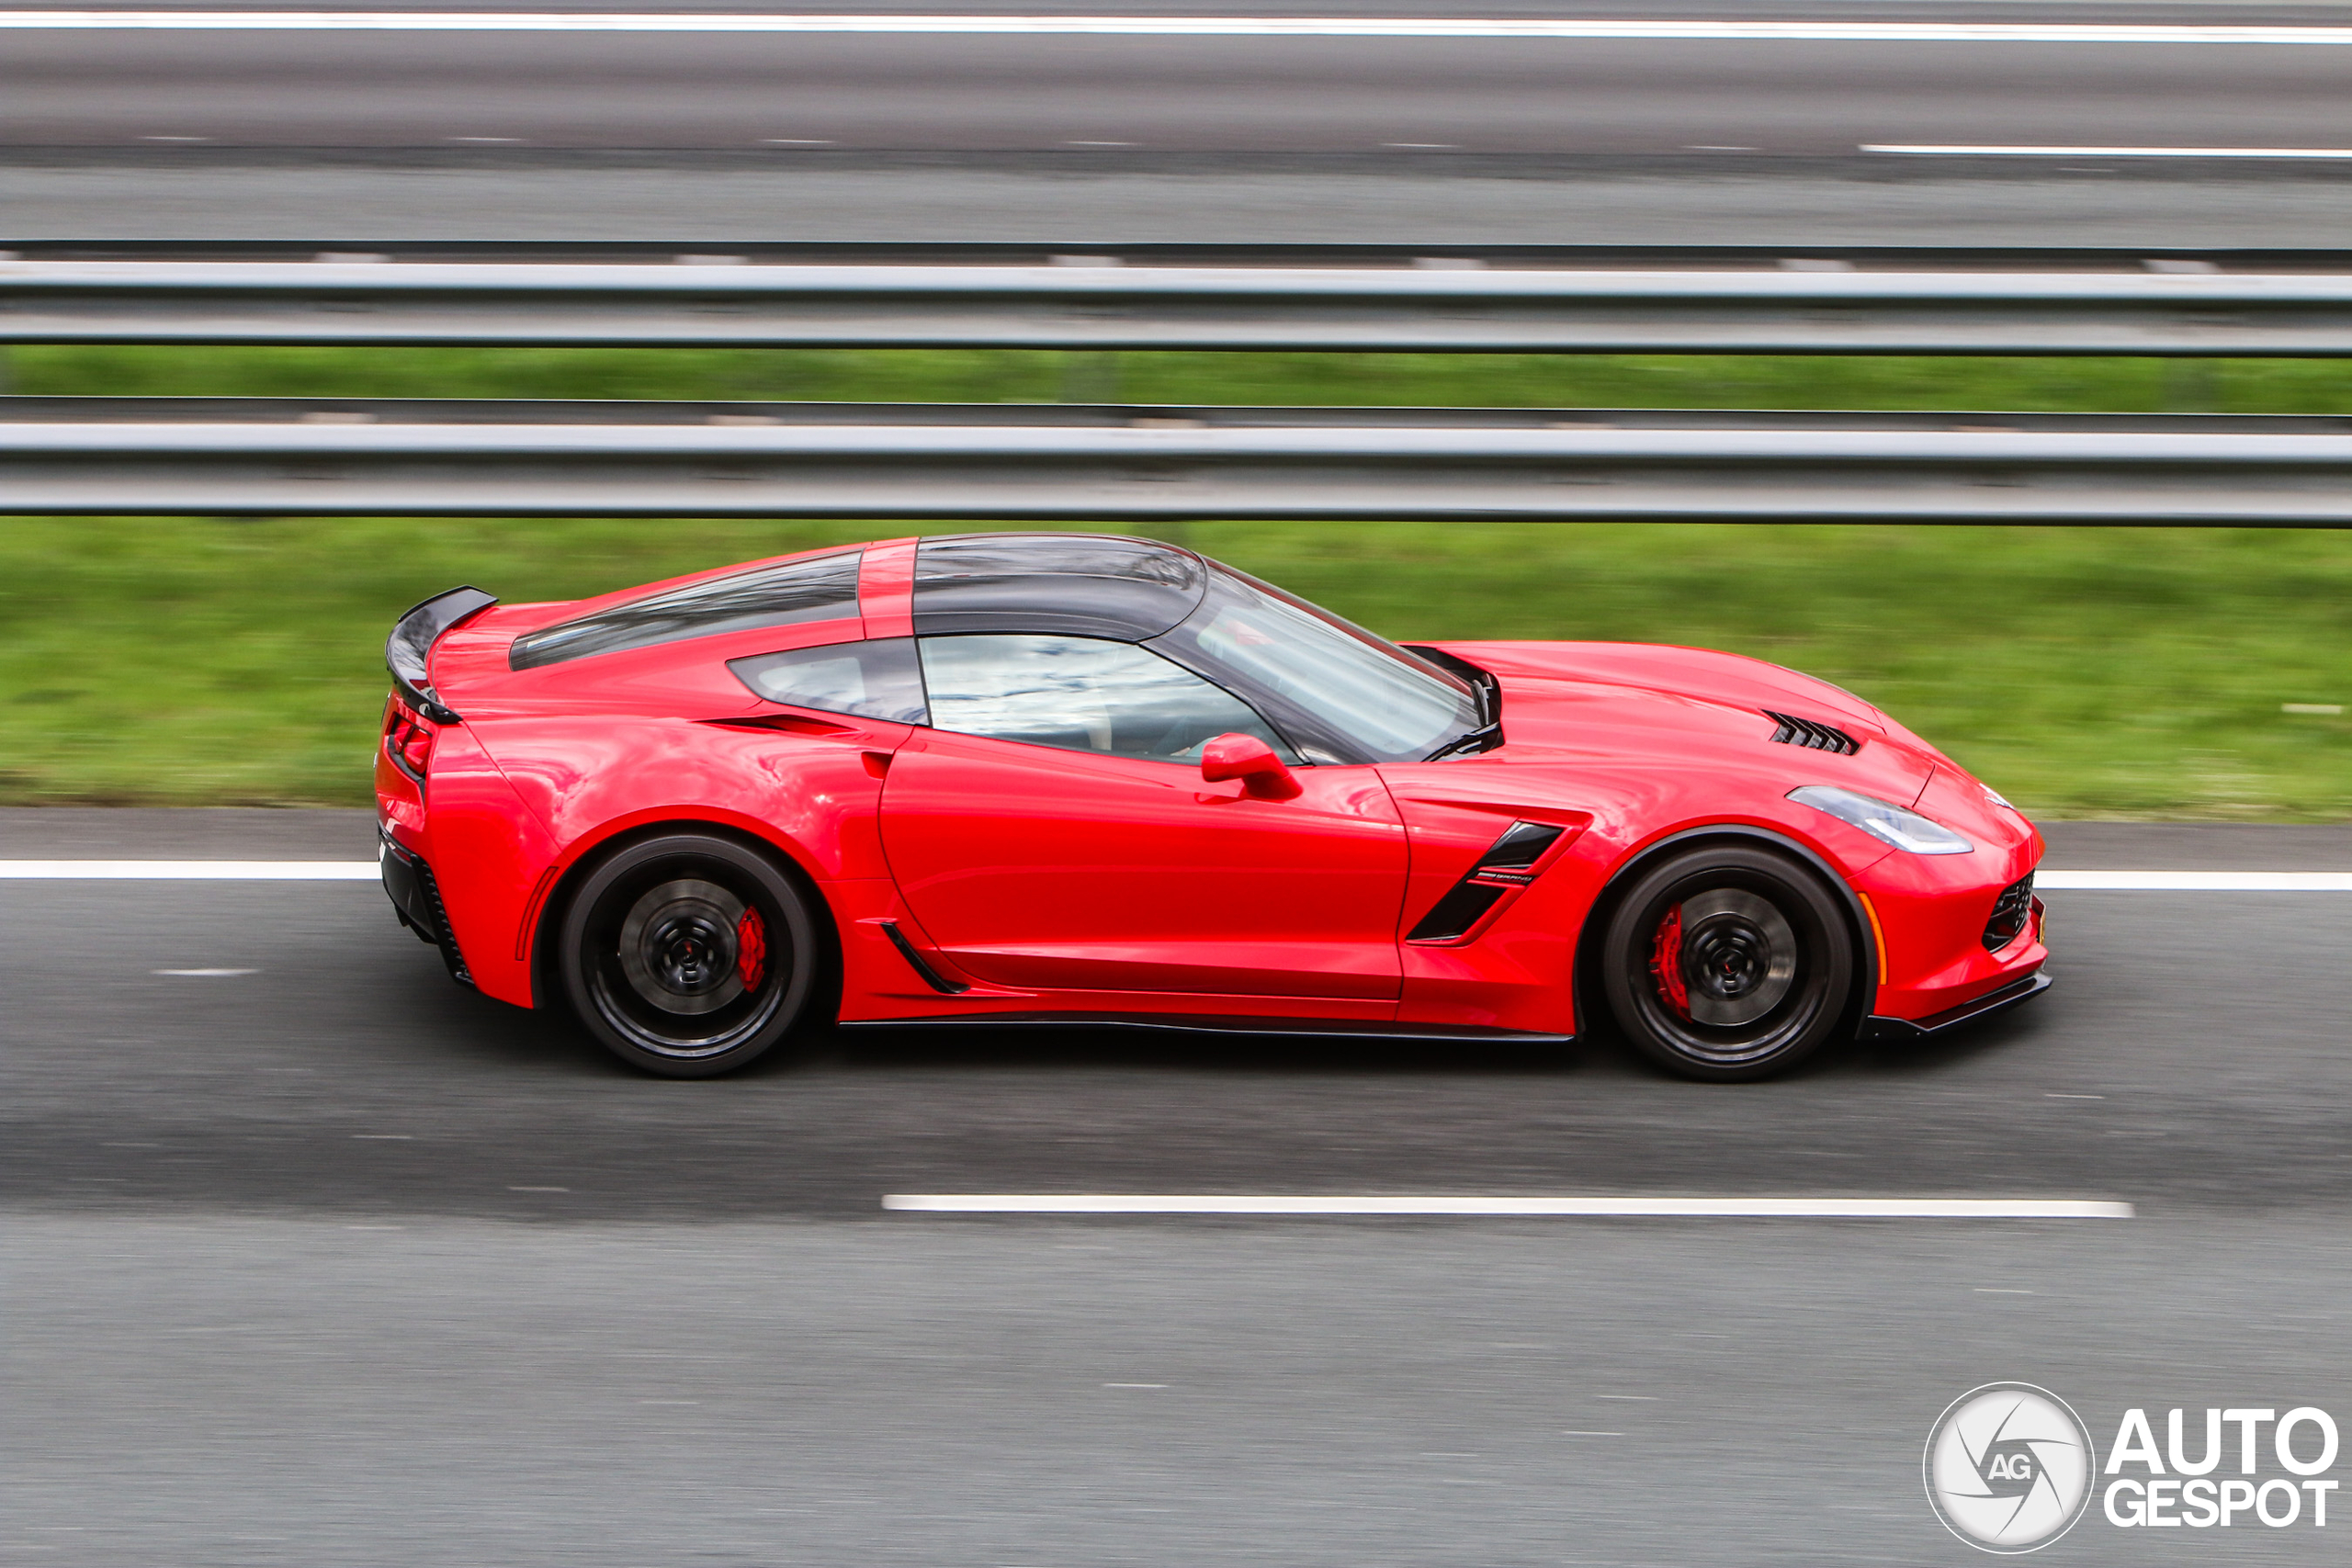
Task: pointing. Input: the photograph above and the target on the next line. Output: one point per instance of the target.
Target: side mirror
(1251, 760)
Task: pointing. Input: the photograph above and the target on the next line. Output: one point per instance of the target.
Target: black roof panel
(1065, 584)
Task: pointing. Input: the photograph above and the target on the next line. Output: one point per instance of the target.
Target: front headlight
(1883, 821)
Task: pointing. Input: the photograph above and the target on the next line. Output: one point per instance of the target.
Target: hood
(1630, 701)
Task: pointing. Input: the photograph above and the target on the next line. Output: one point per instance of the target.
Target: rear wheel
(689, 955)
(1728, 963)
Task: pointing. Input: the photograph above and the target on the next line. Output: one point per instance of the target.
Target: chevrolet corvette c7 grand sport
(1021, 778)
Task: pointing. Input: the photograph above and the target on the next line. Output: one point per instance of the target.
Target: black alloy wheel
(1728, 961)
(688, 955)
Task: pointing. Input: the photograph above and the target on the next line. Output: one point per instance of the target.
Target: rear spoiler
(413, 637)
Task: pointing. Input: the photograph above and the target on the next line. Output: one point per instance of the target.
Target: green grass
(991, 375)
(2120, 674)
(2129, 672)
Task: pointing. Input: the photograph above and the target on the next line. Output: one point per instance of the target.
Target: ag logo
(2008, 1467)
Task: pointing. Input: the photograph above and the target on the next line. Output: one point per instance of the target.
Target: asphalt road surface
(963, 94)
(179, 134)
(319, 1259)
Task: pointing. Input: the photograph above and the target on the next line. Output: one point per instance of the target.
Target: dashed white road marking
(1962, 150)
(204, 973)
(2196, 881)
(190, 870)
(1649, 1207)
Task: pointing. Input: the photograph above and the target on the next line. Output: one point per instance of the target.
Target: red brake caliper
(1665, 962)
(751, 948)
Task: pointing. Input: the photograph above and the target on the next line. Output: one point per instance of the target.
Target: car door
(1051, 830)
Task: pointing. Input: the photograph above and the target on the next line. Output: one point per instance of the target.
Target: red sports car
(1033, 778)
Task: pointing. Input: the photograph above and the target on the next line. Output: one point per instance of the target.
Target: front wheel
(1728, 963)
(689, 955)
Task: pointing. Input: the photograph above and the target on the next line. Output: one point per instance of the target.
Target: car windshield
(1341, 693)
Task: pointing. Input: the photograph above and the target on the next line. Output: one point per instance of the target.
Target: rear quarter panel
(596, 748)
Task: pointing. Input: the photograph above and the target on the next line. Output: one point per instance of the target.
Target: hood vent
(1813, 737)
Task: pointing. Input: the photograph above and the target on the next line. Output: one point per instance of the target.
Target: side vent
(929, 976)
(1505, 865)
(1811, 736)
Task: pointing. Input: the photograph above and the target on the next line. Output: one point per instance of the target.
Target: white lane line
(1936, 149)
(1662, 1208)
(204, 973)
(190, 870)
(2196, 881)
(1173, 26)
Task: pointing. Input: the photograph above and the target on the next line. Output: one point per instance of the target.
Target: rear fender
(543, 951)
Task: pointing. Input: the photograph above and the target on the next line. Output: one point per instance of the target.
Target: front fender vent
(1508, 863)
(1811, 735)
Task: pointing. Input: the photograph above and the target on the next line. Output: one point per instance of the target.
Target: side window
(1080, 695)
(878, 680)
(820, 589)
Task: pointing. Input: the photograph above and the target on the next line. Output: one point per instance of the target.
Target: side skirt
(1286, 1028)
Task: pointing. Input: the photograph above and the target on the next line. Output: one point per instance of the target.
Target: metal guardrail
(65, 456)
(1521, 300)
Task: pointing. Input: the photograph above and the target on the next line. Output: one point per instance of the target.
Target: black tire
(1759, 949)
(662, 960)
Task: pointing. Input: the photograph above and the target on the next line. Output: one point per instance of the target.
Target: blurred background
(313, 1258)
(2091, 673)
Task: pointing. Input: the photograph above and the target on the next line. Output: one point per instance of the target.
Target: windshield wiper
(1484, 739)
